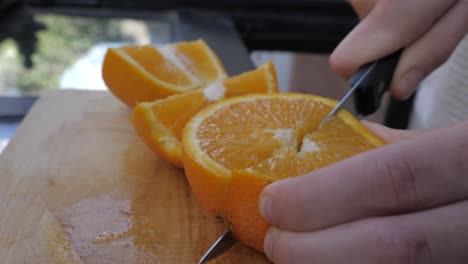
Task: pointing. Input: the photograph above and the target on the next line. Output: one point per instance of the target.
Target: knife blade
(368, 86)
(221, 245)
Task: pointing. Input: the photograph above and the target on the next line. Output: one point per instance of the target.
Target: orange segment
(243, 217)
(161, 122)
(233, 148)
(152, 61)
(200, 60)
(145, 73)
(262, 80)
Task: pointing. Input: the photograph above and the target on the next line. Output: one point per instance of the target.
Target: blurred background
(60, 44)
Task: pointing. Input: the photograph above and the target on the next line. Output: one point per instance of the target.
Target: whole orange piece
(145, 73)
(232, 149)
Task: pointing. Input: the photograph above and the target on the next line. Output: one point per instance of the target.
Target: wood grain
(78, 186)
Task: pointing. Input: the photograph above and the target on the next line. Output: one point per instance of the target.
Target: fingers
(429, 170)
(391, 25)
(387, 134)
(363, 7)
(430, 51)
(435, 236)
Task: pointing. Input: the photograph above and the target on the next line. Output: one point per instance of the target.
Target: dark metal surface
(143, 4)
(15, 106)
(297, 25)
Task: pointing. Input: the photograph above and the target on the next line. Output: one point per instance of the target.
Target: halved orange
(236, 147)
(145, 73)
(160, 123)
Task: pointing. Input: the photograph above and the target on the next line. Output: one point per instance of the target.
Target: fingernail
(410, 82)
(268, 242)
(265, 206)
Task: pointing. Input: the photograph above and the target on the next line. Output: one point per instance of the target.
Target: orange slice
(160, 123)
(236, 147)
(145, 73)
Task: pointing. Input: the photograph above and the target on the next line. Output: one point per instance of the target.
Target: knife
(368, 85)
(221, 245)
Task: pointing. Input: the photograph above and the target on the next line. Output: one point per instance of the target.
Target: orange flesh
(269, 139)
(151, 60)
(252, 81)
(174, 112)
(197, 60)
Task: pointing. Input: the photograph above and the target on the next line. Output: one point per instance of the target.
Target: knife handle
(368, 95)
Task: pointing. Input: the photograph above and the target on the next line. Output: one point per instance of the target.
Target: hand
(429, 30)
(406, 202)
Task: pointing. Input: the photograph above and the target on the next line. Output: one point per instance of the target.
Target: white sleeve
(442, 98)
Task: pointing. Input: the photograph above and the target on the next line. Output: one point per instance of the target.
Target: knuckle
(404, 247)
(387, 6)
(290, 205)
(396, 186)
(278, 194)
(462, 161)
(339, 61)
(437, 56)
(279, 206)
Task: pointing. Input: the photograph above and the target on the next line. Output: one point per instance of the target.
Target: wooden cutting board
(78, 186)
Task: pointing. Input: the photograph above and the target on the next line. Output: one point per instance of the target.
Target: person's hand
(405, 202)
(429, 30)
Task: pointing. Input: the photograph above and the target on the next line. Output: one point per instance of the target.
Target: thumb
(389, 135)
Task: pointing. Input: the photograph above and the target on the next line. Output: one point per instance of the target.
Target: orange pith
(234, 148)
(160, 123)
(145, 73)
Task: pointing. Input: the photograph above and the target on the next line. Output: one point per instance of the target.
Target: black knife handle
(368, 96)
